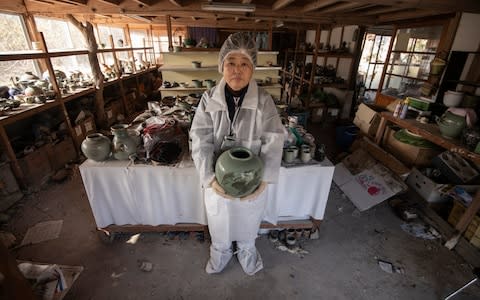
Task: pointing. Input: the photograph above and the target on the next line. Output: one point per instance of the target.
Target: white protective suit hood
(257, 127)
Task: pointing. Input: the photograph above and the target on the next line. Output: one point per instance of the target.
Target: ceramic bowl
(452, 98)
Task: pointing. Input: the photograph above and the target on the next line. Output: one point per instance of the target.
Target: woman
(236, 112)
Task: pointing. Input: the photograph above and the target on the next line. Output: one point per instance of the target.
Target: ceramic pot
(196, 64)
(123, 143)
(239, 171)
(451, 125)
(33, 91)
(96, 147)
(436, 66)
(209, 83)
(452, 98)
(197, 83)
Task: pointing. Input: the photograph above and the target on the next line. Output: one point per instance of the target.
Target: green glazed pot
(96, 147)
(238, 171)
(451, 125)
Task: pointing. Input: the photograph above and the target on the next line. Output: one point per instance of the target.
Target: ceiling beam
(341, 7)
(72, 2)
(318, 4)
(405, 15)
(279, 4)
(145, 3)
(176, 2)
(112, 2)
(140, 18)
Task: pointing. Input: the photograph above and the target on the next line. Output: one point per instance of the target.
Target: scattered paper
(43, 231)
(389, 267)
(51, 281)
(420, 230)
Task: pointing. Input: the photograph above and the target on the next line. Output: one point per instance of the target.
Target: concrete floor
(341, 264)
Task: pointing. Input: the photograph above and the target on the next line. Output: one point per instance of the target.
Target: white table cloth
(121, 193)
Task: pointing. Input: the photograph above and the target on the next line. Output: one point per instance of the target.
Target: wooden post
(270, 35)
(87, 31)
(169, 33)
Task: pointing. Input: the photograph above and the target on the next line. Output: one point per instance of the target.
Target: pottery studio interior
(276, 149)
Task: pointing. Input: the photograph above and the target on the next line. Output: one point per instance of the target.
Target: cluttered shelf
(25, 110)
(430, 132)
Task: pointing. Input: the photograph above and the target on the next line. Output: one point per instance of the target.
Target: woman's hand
(220, 191)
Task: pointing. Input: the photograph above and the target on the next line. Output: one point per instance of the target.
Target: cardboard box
(84, 128)
(410, 155)
(367, 119)
(429, 190)
(365, 181)
(113, 110)
(456, 213)
(61, 153)
(36, 167)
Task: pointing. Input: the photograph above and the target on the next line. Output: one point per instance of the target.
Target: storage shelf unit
(178, 68)
(25, 111)
(295, 77)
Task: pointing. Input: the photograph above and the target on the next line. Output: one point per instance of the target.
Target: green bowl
(407, 137)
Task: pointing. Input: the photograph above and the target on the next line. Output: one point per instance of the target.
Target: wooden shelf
(414, 52)
(188, 69)
(78, 93)
(405, 76)
(432, 133)
(25, 111)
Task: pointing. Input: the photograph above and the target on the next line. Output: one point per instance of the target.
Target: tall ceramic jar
(96, 147)
(123, 143)
(239, 171)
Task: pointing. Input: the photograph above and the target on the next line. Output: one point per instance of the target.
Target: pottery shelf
(25, 110)
(178, 68)
(429, 132)
(295, 79)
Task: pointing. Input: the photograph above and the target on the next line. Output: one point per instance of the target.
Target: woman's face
(237, 71)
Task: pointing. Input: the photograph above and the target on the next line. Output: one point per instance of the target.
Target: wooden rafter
(318, 4)
(341, 7)
(73, 2)
(145, 3)
(281, 4)
(112, 2)
(176, 2)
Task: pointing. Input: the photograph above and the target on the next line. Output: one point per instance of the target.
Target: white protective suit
(257, 127)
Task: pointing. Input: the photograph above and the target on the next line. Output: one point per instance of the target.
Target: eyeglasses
(231, 66)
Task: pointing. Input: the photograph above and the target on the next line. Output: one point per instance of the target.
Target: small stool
(476, 272)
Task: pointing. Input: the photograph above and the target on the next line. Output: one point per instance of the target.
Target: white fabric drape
(120, 193)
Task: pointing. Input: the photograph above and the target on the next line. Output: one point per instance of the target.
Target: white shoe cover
(219, 257)
(249, 257)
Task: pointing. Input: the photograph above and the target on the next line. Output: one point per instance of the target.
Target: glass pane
(138, 36)
(73, 63)
(15, 38)
(420, 39)
(117, 34)
(16, 68)
(57, 34)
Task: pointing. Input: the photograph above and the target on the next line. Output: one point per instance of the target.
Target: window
(60, 34)
(117, 33)
(14, 39)
(138, 36)
(374, 54)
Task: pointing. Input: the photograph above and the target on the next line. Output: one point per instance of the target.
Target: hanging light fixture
(236, 7)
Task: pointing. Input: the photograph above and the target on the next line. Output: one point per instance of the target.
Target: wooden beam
(111, 2)
(73, 2)
(140, 18)
(406, 14)
(176, 2)
(246, 1)
(281, 4)
(318, 4)
(145, 3)
(341, 7)
(169, 33)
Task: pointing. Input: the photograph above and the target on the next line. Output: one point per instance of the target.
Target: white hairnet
(240, 42)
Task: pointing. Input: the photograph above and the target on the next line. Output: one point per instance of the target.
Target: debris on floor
(389, 267)
(421, 230)
(290, 240)
(145, 265)
(50, 281)
(43, 231)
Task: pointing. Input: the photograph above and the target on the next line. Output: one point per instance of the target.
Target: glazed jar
(451, 125)
(123, 143)
(239, 171)
(96, 147)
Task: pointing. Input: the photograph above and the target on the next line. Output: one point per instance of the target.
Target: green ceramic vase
(96, 147)
(239, 171)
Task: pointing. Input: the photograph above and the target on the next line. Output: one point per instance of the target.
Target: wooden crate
(61, 153)
(82, 129)
(455, 215)
(36, 167)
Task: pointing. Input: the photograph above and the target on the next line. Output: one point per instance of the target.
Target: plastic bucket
(345, 135)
